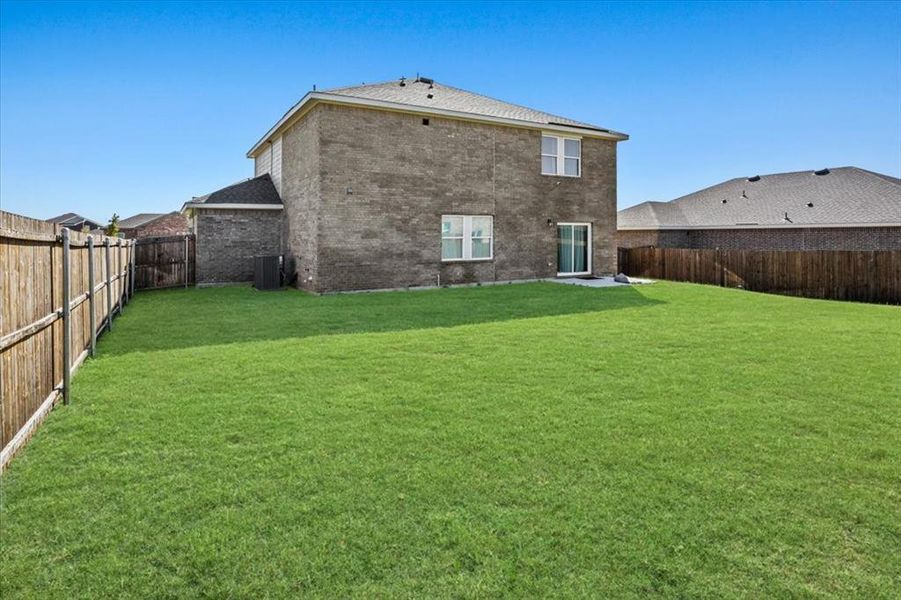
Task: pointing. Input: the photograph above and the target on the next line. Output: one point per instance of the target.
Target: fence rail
(58, 290)
(863, 276)
(163, 262)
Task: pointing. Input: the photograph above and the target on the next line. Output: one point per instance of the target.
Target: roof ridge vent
(427, 80)
(754, 178)
(821, 172)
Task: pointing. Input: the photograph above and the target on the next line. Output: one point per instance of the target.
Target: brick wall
(384, 179)
(227, 241)
(661, 239)
(301, 196)
(171, 224)
(839, 238)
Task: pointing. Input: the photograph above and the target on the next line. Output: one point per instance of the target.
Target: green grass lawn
(523, 440)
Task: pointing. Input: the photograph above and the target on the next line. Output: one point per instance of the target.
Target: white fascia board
(312, 97)
(755, 226)
(224, 206)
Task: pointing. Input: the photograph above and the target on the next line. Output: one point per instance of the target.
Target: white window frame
(588, 261)
(560, 156)
(467, 239)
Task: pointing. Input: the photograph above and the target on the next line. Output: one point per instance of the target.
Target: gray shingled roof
(843, 196)
(72, 220)
(415, 92)
(139, 219)
(258, 190)
(424, 95)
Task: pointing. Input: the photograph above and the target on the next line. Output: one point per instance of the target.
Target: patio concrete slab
(599, 282)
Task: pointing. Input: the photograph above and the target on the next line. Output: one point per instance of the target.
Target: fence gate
(164, 262)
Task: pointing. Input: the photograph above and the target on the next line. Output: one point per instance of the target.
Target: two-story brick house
(413, 183)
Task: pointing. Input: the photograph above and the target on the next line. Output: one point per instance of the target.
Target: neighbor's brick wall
(661, 239)
(405, 175)
(227, 241)
(171, 224)
(862, 238)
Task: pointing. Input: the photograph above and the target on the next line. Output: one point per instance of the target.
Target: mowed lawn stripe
(514, 440)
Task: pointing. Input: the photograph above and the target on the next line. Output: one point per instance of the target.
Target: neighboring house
(414, 183)
(145, 225)
(75, 222)
(845, 208)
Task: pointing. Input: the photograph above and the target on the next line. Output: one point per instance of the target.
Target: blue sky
(136, 107)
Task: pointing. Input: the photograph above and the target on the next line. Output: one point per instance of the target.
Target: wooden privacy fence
(58, 290)
(162, 262)
(863, 276)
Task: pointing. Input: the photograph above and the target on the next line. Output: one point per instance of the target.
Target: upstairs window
(465, 237)
(561, 156)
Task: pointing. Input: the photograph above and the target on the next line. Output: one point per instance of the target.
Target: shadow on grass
(185, 318)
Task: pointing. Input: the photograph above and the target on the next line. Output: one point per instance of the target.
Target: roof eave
(312, 97)
(231, 206)
(756, 226)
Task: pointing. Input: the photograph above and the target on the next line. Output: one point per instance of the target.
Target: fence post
(186, 261)
(91, 294)
(126, 285)
(134, 262)
(719, 264)
(67, 320)
(121, 285)
(109, 289)
(131, 266)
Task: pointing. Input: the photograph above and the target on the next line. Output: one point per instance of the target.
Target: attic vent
(429, 96)
(755, 178)
(821, 172)
(403, 81)
(810, 205)
(425, 80)
(724, 200)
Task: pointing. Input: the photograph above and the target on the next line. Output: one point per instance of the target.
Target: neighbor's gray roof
(843, 196)
(139, 219)
(71, 219)
(424, 95)
(257, 190)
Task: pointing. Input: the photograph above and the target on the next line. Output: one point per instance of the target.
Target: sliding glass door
(573, 248)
